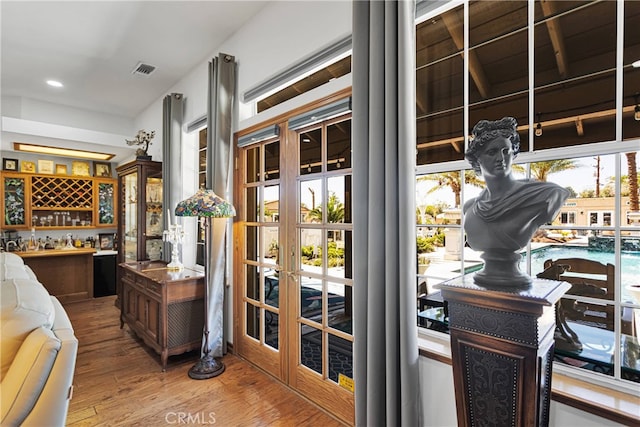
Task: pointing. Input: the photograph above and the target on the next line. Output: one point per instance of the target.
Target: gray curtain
(222, 78)
(172, 109)
(384, 151)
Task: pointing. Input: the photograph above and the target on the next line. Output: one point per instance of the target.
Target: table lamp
(206, 204)
(175, 236)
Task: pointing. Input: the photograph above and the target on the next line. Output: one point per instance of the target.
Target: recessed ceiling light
(54, 83)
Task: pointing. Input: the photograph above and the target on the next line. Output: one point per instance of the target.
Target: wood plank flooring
(119, 382)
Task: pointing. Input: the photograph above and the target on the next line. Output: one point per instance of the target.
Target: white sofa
(38, 349)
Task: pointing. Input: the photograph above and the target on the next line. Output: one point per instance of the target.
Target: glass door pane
(295, 296)
(261, 291)
(106, 206)
(130, 217)
(153, 217)
(323, 270)
(14, 200)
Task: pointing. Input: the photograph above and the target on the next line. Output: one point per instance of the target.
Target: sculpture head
(486, 131)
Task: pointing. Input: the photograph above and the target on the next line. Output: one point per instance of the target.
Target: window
(320, 77)
(557, 71)
(316, 69)
(568, 218)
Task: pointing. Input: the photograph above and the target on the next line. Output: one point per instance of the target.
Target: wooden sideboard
(164, 308)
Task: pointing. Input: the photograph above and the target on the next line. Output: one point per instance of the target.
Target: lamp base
(175, 266)
(206, 367)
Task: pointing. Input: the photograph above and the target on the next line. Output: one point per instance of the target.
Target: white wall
(45, 112)
(283, 33)
(44, 123)
(438, 396)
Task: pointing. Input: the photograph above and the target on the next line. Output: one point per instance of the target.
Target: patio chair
(588, 279)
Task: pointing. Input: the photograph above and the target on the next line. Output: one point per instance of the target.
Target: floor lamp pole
(207, 366)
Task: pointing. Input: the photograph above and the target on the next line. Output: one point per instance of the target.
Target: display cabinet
(57, 202)
(140, 211)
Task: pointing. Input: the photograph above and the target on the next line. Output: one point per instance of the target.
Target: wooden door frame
(330, 396)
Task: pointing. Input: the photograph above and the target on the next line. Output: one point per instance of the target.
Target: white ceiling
(93, 46)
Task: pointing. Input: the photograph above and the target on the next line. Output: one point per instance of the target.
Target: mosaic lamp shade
(205, 203)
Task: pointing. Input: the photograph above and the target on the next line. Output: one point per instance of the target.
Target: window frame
(615, 147)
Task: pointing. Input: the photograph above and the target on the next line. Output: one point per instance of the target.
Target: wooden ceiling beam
(575, 120)
(557, 39)
(456, 30)
(579, 127)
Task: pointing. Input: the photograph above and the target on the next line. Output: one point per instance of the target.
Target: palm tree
(634, 205)
(335, 211)
(452, 179)
(426, 214)
(541, 170)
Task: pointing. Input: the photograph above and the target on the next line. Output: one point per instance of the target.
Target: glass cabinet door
(140, 211)
(14, 198)
(130, 217)
(153, 218)
(106, 205)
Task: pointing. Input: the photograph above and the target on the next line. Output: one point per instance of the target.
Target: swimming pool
(629, 261)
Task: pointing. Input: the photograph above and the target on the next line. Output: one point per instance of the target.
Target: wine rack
(62, 202)
(59, 192)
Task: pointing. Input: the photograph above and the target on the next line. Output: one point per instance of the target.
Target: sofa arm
(29, 372)
(53, 404)
(37, 387)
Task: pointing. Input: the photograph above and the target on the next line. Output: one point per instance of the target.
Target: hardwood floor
(118, 381)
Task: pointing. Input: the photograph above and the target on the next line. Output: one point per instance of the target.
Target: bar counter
(55, 252)
(66, 273)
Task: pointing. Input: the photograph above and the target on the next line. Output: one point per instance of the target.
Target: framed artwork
(61, 169)
(29, 167)
(10, 164)
(45, 166)
(79, 168)
(106, 241)
(102, 169)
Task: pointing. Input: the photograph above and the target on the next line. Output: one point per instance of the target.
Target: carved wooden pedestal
(502, 351)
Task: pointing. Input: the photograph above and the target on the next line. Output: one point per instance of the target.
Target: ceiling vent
(143, 69)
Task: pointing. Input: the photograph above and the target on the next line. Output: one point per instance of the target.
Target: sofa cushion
(27, 376)
(12, 266)
(25, 306)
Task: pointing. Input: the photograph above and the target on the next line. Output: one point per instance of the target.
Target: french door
(293, 261)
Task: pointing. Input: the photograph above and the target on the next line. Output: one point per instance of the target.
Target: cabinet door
(153, 319)
(105, 207)
(140, 210)
(129, 218)
(153, 218)
(140, 319)
(14, 201)
(129, 295)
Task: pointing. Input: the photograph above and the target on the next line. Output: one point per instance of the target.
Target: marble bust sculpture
(506, 214)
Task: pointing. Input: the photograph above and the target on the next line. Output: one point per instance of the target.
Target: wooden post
(502, 351)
